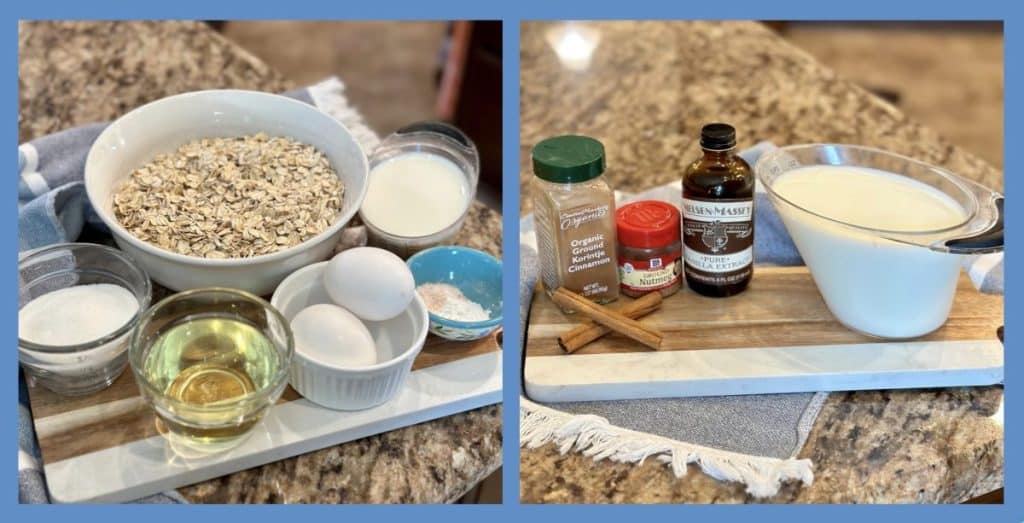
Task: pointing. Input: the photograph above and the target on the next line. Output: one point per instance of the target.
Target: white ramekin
(341, 388)
(166, 124)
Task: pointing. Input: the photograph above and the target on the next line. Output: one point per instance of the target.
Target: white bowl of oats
(226, 188)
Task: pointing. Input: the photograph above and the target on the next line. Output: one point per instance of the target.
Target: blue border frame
(512, 13)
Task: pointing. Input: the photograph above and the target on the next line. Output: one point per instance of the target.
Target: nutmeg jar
(649, 249)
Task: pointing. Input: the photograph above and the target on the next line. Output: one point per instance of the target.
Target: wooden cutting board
(776, 337)
(105, 447)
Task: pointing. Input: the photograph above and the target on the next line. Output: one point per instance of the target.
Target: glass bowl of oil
(211, 362)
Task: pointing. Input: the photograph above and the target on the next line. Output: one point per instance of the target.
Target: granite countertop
(81, 72)
(648, 89)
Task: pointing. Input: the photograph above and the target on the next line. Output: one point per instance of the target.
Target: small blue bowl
(477, 274)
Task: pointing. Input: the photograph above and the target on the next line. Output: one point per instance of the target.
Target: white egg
(373, 283)
(334, 336)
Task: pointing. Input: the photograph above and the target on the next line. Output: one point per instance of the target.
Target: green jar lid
(568, 159)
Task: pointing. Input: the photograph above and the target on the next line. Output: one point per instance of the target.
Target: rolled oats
(231, 197)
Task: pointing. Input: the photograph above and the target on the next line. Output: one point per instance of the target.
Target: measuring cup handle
(991, 239)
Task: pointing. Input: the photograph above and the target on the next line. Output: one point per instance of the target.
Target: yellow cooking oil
(211, 369)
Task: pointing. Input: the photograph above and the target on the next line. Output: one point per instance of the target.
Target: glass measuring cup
(884, 283)
(435, 138)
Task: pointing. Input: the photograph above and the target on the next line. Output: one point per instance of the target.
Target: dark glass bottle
(718, 216)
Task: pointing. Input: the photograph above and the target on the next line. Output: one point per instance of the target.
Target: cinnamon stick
(608, 317)
(589, 331)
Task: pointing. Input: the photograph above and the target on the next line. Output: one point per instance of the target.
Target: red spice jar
(650, 253)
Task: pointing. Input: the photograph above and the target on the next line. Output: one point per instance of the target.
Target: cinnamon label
(718, 240)
(587, 250)
(579, 245)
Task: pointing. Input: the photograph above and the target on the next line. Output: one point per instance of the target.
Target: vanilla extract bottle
(718, 216)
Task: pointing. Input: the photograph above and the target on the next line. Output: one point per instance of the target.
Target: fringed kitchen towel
(53, 208)
(597, 437)
(753, 440)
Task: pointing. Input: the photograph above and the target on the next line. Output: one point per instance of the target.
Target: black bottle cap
(718, 137)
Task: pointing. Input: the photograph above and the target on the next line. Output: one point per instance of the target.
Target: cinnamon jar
(649, 250)
(574, 208)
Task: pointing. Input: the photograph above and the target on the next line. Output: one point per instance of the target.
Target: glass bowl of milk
(422, 182)
(883, 235)
(77, 306)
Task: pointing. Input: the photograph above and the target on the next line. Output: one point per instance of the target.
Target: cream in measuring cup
(883, 248)
(416, 194)
(422, 182)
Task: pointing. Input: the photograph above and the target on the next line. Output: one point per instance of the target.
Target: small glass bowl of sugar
(77, 306)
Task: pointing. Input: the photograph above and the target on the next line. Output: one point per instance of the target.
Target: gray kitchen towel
(53, 208)
(750, 439)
